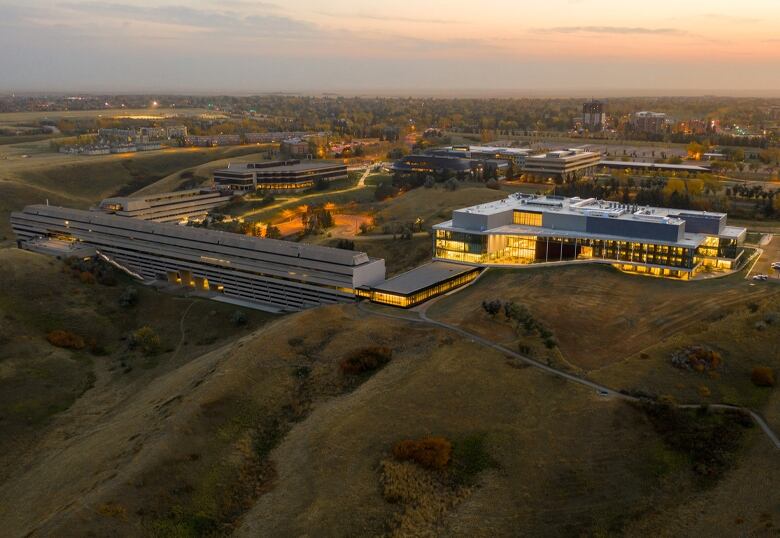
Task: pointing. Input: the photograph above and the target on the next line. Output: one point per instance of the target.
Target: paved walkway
(601, 389)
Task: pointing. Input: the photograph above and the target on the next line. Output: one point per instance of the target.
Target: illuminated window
(527, 218)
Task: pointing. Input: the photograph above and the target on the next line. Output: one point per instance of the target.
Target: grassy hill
(82, 181)
(264, 434)
(39, 381)
(622, 329)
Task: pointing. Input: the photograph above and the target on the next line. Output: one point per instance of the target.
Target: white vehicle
(760, 277)
(775, 265)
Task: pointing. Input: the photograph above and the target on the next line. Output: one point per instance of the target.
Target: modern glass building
(525, 229)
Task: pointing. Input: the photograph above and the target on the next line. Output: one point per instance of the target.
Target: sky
(398, 47)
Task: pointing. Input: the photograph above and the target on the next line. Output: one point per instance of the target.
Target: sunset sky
(403, 46)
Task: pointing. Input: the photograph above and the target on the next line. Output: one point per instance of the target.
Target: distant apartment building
(124, 148)
(176, 131)
(149, 146)
(649, 122)
(563, 165)
(525, 229)
(153, 133)
(292, 175)
(178, 206)
(124, 135)
(594, 115)
(278, 136)
(209, 141)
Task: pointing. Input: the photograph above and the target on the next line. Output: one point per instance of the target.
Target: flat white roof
(422, 277)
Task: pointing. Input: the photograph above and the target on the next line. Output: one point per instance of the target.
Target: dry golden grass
(266, 437)
(434, 205)
(425, 497)
(599, 315)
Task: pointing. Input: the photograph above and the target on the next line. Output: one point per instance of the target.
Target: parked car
(760, 277)
(775, 265)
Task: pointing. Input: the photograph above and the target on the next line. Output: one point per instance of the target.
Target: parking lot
(764, 264)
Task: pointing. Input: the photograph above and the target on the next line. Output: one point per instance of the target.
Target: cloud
(731, 18)
(388, 18)
(617, 30)
(208, 19)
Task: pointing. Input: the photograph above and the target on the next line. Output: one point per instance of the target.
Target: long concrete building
(525, 229)
(178, 206)
(281, 275)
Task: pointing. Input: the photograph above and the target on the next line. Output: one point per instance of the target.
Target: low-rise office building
(654, 167)
(294, 147)
(430, 164)
(292, 175)
(525, 229)
(178, 206)
(516, 156)
(563, 165)
(280, 275)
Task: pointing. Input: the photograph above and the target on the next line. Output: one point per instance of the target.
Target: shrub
(696, 358)
(365, 360)
(384, 190)
(238, 318)
(115, 510)
(492, 307)
(65, 339)
(763, 376)
(129, 297)
(429, 452)
(145, 339)
(345, 244)
(710, 440)
(470, 457)
(87, 278)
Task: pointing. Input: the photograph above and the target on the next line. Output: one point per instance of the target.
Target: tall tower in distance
(594, 115)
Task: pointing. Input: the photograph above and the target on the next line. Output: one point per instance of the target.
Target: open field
(80, 181)
(201, 174)
(16, 117)
(434, 205)
(39, 381)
